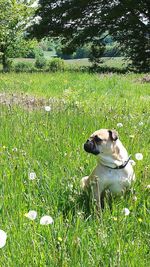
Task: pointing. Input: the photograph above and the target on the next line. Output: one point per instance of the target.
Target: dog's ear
(113, 135)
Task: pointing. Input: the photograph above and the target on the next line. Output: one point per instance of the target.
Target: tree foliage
(14, 17)
(79, 22)
(97, 51)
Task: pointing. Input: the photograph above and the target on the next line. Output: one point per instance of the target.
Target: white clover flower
(126, 211)
(3, 237)
(139, 156)
(133, 163)
(119, 124)
(47, 108)
(32, 175)
(46, 220)
(32, 214)
(141, 123)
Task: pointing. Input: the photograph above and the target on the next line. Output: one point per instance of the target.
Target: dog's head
(101, 142)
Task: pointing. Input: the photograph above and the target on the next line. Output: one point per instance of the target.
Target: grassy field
(50, 144)
(109, 62)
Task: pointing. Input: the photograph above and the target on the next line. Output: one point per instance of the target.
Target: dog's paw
(84, 182)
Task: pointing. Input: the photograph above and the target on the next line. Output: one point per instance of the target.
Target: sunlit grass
(50, 144)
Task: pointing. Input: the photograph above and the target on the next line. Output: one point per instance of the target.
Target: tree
(22, 48)
(14, 17)
(79, 22)
(75, 21)
(131, 20)
(97, 51)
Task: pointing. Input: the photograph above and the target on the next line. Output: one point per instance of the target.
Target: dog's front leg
(84, 183)
(87, 180)
(98, 194)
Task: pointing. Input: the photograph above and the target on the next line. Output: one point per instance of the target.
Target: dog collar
(121, 166)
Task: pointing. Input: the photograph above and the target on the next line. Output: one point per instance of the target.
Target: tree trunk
(4, 62)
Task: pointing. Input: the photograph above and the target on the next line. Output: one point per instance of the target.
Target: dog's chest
(115, 180)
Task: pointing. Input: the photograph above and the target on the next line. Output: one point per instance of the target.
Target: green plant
(24, 67)
(56, 64)
(50, 144)
(40, 62)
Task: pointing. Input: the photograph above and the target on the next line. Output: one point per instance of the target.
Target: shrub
(39, 52)
(82, 52)
(24, 67)
(35, 52)
(40, 62)
(30, 53)
(56, 64)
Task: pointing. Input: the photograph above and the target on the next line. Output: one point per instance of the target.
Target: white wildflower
(32, 214)
(47, 108)
(134, 198)
(32, 175)
(15, 149)
(126, 211)
(46, 220)
(148, 186)
(141, 123)
(119, 124)
(3, 237)
(139, 156)
(133, 163)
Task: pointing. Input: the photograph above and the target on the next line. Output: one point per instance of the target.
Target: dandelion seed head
(32, 214)
(47, 108)
(139, 156)
(45, 220)
(119, 125)
(32, 175)
(3, 237)
(126, 211)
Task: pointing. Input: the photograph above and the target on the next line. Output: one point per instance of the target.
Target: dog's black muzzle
(90, 147)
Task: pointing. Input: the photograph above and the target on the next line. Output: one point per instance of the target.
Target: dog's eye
(97, 139)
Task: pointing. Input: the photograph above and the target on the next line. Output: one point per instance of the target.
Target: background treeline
(80, 29)
(54, 47)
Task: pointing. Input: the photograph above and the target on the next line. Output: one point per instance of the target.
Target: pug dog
(114, 170)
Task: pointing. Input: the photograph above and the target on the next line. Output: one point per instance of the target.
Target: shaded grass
(51, 144)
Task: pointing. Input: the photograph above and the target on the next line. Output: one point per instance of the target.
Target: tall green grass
(51, 145)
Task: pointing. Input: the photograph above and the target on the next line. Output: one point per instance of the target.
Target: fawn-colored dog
(113, 171)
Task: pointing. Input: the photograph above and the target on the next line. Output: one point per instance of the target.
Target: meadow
(117, 63)
(49, 142)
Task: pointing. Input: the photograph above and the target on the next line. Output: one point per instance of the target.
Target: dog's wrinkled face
(101, 141)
